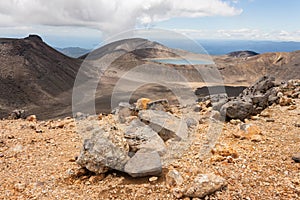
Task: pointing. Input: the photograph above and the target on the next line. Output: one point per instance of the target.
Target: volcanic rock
(141, 136)
(144, 163)
(204, 184)
(99, 154)
(167, 125)
(252, 100)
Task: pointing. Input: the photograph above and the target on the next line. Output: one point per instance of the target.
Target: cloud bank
(109, 16)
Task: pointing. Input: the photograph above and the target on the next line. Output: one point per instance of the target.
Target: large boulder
(144, 163)
(167, 125)
(101, 152)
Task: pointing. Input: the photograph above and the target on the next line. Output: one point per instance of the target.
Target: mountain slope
(240, 70)
(33, 74)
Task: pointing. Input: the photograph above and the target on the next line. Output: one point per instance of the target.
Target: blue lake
(183, 61)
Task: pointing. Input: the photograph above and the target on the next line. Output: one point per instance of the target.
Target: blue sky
(85, 23)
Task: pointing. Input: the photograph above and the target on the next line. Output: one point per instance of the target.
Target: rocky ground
(250, 160)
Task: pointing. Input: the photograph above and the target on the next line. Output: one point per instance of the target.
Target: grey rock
(141, 136)
(99, 154)
(197, 108)
(123, 114)
(144, 163)
(123, 111)
(237, 109)
(218, 104)
(190, 121)
(204, 184)
(214, 114)
(17, 114)
(161, 104)
(165, 124)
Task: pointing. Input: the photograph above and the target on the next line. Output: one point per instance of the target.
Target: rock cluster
(252, 100)
(132, 139)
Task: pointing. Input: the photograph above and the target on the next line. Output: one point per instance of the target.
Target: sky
(85, 23)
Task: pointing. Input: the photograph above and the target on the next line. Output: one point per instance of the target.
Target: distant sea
(220, 47)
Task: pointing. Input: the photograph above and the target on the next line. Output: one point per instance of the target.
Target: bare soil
(37, 161)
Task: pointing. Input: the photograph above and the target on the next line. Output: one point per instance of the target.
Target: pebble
(173, 178)
(152, 179)
(270, 120)
(31, 118)
(235, 121)
(254, 117)
(256, 138)
(296, 157)
(292, 107)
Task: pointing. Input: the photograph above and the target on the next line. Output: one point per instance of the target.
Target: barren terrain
(37, 161)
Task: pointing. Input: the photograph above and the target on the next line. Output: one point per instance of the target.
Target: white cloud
(242, 34)
(109, 16)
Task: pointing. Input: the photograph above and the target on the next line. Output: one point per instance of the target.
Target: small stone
(224, 151)
(125, 110)
(173, 178)
(214, 114)
(204, 184)
(249, 130)
(142, 103)
(255, 117)
(285, 101)
(19, 187)
(153, 178)
(235, 121)
(31, 118)
(297, 125)
(191, 122)
(178, 193)
(265, 114)
(197, 108)
(97, 178)
(256, 138)
(292, 107)
(270, 120)
(296, 157)
(161, 104)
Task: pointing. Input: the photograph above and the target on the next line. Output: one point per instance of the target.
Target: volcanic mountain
(33, 75)
(39, 79)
